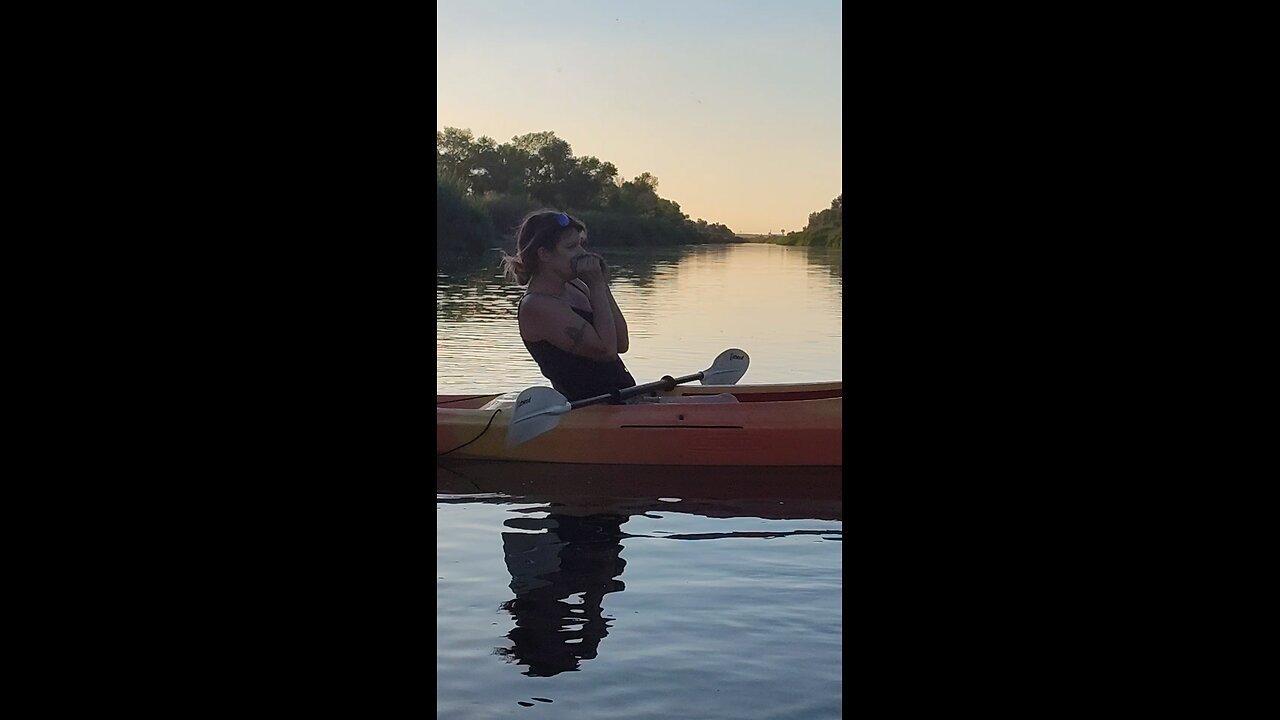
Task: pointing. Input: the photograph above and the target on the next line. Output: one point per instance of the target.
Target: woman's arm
(619, 323)
(592, 272)
(544, 318)
(605, 327)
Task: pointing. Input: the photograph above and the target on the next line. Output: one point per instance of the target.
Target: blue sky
(734, 106)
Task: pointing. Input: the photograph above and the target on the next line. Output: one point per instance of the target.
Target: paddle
(538, 409)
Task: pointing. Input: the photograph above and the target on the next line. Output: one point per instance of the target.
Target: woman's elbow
(600, 354)
(622, 346)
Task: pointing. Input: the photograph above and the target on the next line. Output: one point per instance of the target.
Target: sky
(734, 105)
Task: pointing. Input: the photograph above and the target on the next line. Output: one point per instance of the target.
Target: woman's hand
(591, 268)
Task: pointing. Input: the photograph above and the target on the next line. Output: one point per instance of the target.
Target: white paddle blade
(538, 409)
(728, 368)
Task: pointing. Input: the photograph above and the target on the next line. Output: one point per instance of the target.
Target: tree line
(484, 188)
(825, 228)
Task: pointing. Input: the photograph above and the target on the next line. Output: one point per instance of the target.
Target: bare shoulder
(541, 315)
(539, 304)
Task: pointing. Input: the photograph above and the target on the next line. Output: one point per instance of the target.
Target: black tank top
(574, 376)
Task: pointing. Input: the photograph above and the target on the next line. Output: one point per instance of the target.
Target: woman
(568, 319)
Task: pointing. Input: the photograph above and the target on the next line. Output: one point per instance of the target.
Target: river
(644, 592)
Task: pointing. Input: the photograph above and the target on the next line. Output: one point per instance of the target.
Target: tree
(484, 186)
(499, 168)
(550, 162)
(455, 152)
(587, 183)
(639, 196)
(831, 217)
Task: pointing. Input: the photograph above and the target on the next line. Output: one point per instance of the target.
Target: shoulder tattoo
(576, 334)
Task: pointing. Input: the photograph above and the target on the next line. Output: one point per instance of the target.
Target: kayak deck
(744, 393)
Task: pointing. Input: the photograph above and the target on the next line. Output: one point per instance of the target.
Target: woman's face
(570, 246)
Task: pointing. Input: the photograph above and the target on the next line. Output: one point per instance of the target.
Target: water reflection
(771, 493)
(683, 305)
(474, 288)
(646, 267)
(560, 576)
(564, 550)
(469, 287)
(830, 260)
(640, 266)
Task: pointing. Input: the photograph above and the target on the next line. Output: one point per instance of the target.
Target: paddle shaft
(666, 383)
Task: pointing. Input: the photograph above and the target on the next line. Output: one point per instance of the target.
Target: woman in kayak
(569, 321)
(568, 318)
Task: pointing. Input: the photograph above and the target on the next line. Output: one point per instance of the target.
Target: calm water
(683, 307)
(644, 592)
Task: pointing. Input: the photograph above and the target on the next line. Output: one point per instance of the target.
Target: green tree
(588, 183)
(455, 153)
(831, 217)
(499, 169)
(550, 162)
(639, 196)
(825, 228)
(483, 188)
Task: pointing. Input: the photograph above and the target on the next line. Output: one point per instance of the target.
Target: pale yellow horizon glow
(734, 107)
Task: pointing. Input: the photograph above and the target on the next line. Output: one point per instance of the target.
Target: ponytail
(513, 268)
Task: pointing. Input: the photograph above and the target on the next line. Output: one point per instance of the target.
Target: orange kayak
(770, 425)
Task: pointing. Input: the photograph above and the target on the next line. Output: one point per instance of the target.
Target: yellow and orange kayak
(770, 425)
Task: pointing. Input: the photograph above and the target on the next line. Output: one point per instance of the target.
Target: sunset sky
(734, 105)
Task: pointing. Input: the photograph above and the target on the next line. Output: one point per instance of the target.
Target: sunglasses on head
(561, 219)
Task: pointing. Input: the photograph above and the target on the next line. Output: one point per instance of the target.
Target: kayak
(789, 424)
(774, 425)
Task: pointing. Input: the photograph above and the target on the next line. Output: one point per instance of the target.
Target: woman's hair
(540, 228)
